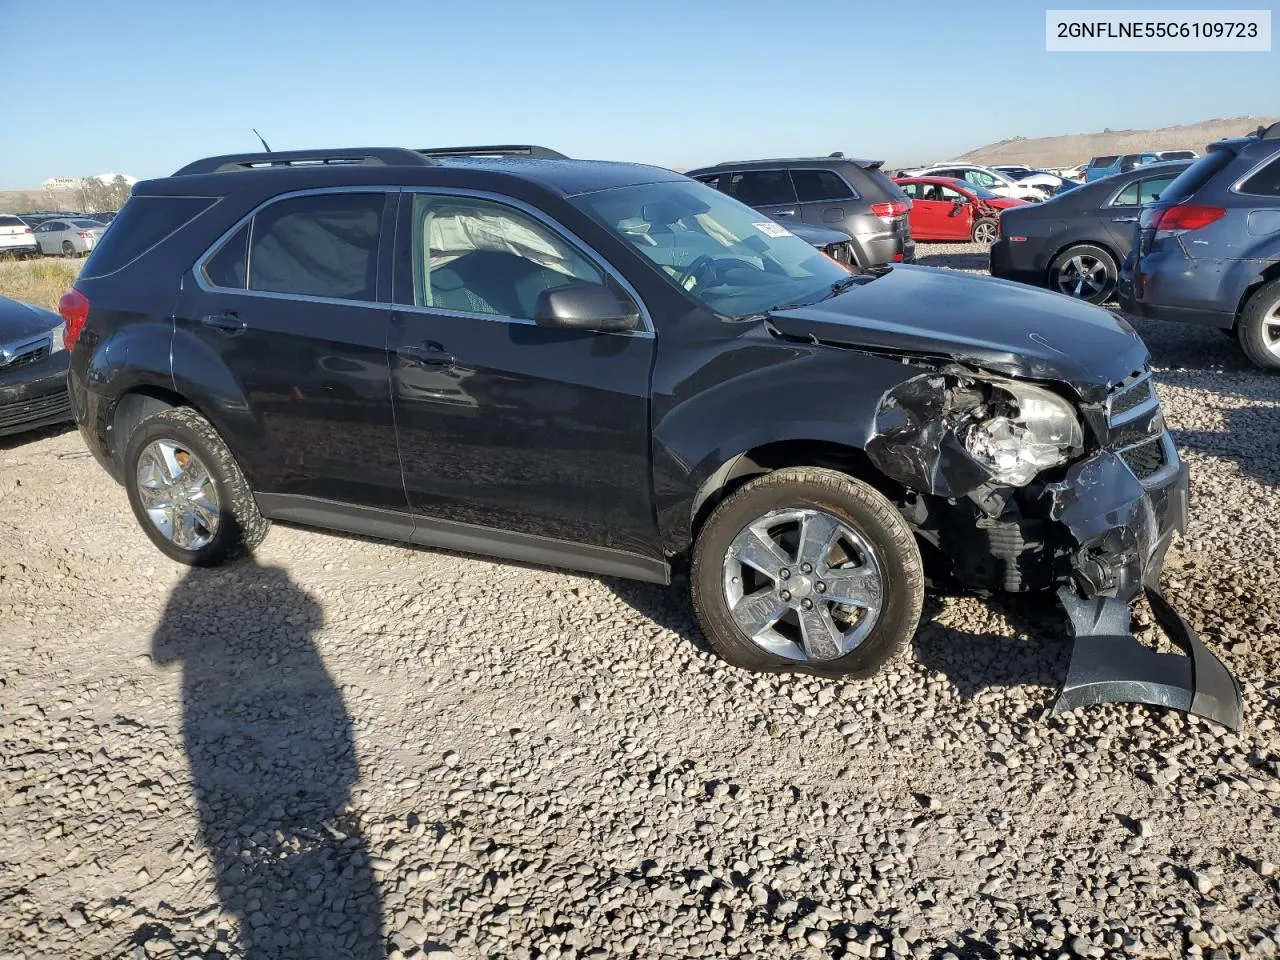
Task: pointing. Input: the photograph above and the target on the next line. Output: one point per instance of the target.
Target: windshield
(734, 259)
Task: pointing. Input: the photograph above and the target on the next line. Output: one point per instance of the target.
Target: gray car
(853, 196)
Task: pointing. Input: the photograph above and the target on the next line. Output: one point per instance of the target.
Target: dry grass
(41, 281)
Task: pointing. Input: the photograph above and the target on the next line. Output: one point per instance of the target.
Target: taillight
(84, 234)
(28, 230)
(74, 307)
(897, 258)
(887, 211)
(1187, 216)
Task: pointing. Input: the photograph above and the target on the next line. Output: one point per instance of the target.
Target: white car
(16, 239)
(1035, 188)
(70, 238)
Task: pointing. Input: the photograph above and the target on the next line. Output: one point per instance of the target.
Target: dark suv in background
(1208, 250)
(613, 368)
(854, 196)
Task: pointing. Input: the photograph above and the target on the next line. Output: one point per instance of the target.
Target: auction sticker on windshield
(772, 229)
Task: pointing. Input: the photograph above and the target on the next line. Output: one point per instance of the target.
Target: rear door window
(712, 180)
(761, 188)
(813, 185)
(1264, 183)
(318, 246)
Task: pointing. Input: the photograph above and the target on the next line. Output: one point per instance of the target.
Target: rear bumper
(878, 249)
(1008, 261)
(21, 248)
(1164, 285)
(35, 395)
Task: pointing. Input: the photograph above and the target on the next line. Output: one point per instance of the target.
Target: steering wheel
(694, 268)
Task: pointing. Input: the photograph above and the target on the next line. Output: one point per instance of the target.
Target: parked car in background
(854, 196)
(1208, 250)
(16, 238)
(993, 180)
(1176, 155)
(70, 238)
(664, 379)
(1023, 174)
(1072, 174)
(1075, 243)
(1105, 166)
(33, 368)
(944, 208)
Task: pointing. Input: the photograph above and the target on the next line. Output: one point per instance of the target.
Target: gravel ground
(352, 748)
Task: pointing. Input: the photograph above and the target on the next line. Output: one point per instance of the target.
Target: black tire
(1087, 254)
(985, 231)
(241, 526)
(1259, 326)
(68, 248)
(853, 502)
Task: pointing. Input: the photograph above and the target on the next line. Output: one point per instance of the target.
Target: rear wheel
(985, 231)
(188, 492)
(808, 570)
(1085, 272)
(68, 248)
(1259, 326)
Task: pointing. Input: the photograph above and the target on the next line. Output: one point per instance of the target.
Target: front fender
(766, 391)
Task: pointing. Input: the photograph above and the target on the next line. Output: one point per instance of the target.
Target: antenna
(259, 136)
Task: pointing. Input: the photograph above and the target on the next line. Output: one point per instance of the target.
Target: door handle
(1124, 219)
(429, 354)
(784, 213)
(225, 323)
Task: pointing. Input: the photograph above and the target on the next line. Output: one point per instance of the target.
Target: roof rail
(366, 156)
(496, 150)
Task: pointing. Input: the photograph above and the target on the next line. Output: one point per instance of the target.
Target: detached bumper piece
(1109, 666)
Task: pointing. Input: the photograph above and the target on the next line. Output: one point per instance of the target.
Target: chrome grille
(1134, 429)
(1134, 396)
(23, 352)
(29, 357)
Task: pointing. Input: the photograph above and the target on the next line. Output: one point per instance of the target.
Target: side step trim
(463, 537)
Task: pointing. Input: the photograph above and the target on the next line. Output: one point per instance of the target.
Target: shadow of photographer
(273, 763)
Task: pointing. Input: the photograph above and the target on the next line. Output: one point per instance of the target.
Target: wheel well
(134, 407)
(1078, 243)
(1266, 276)
(787, 453)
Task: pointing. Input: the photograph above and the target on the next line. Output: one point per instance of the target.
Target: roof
(373, 166)
(826, 161)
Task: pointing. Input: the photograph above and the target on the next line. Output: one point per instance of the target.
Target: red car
(943, 208)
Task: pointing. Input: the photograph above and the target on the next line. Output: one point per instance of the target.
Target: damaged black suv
(613, 368)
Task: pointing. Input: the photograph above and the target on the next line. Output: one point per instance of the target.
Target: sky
(143, 86)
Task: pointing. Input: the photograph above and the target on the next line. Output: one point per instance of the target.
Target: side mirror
(584, 306)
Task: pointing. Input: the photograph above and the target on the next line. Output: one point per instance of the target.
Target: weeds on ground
(42, 281)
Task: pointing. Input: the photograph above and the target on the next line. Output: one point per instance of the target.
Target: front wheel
(810, 570)
(188, 492)
(985, 231)
(1259, 326)
(1085, 272)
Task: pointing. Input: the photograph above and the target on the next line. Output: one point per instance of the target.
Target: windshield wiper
(837, 288)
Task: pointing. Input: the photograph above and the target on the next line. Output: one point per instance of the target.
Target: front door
(538, 433)
(955, 217)
(284, 327)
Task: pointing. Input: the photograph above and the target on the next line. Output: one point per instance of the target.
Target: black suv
(614, 368)
(854, 196)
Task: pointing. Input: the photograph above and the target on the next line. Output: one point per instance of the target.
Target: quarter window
(226, 268)
(479, 256)
(318, 246)
(1266, 182)
(820, 185)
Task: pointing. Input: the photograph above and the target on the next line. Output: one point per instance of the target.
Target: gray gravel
(351, 748)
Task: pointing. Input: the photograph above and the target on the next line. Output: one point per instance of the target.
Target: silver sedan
(68, 238)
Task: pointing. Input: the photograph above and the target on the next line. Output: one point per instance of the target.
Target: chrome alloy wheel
(1271, 329)
(178, 494)
(1082, 277)
(985, 233)
(803, 584)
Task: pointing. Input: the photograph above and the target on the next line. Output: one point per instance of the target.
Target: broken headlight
(1025, 429)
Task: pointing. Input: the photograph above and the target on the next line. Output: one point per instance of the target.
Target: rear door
(1118, 219)
(824, 197)
(769, 191)
(285, 323)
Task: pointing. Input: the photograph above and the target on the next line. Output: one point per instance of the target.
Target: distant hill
(1069, 150)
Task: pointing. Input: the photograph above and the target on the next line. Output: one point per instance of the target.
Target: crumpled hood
(18, 321)
(995, 324)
